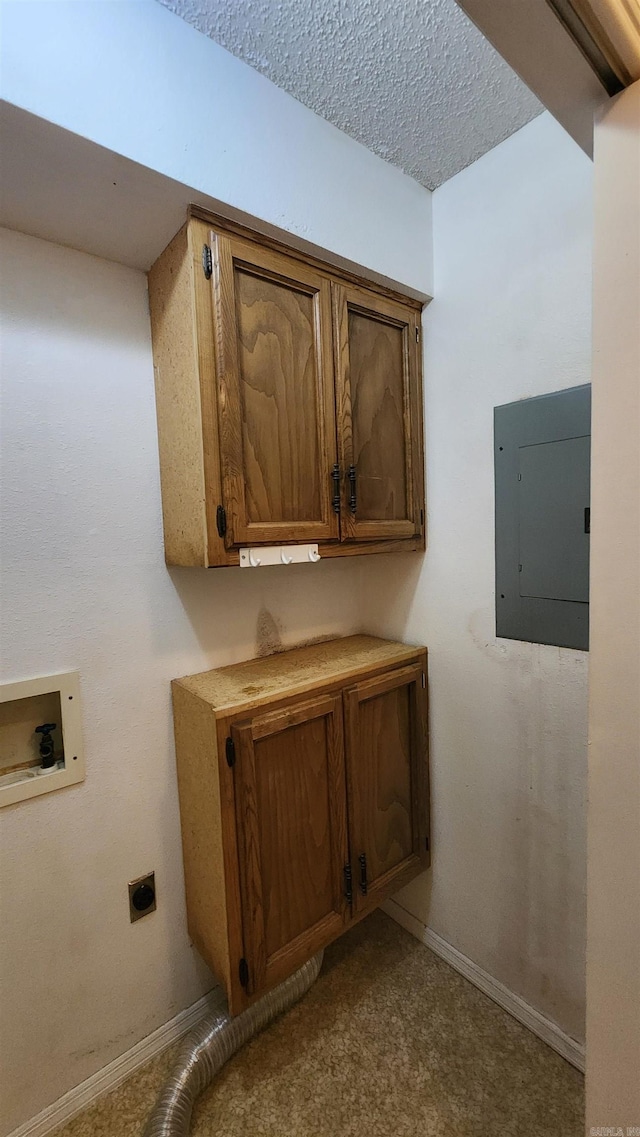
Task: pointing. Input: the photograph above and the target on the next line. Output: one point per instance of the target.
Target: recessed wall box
(543, 520)
(40, 736)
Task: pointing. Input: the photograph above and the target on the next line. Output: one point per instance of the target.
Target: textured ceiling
(413, 80)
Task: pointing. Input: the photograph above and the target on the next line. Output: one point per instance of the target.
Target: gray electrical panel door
(542, 467)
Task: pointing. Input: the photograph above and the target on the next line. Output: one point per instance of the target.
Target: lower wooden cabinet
(304, 800)
(388, 803)
(291, 817)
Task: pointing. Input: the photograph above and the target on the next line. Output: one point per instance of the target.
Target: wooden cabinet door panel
(387, 779)
(379, 420)
(275, 395)
(292, 829)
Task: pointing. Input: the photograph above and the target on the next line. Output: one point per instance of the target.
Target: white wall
(511, 319)
(613, 940)
(85, 585)
(133, 77)
(84, 580)
(508, 720)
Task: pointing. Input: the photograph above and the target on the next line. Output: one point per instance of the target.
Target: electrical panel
(542, 474)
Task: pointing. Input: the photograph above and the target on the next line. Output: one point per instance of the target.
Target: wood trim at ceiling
(608, 35)
(244, 231)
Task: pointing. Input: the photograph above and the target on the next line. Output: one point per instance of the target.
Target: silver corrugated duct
(212, 1043)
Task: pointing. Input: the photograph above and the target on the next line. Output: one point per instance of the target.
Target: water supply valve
(47, 747)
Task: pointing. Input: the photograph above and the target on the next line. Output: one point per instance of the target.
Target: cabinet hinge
(422, 518)
(426, 843)
(230, 751)
(243, 972)
(207, 262)
(424, 680)
(221, 520)
(417, 335)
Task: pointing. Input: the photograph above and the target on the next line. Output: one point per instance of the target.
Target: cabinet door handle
(363, 873)
(348, 886)
(351, 474)
(335, 478)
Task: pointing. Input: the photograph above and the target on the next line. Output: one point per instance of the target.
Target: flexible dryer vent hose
(212, 1043)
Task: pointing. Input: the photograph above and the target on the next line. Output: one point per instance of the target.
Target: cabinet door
(292, 835)
(388, 786)
(275, 394)
(379, 415)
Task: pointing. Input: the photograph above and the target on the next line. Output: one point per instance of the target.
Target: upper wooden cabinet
(289, 401)
(275, 395)
(379, 433)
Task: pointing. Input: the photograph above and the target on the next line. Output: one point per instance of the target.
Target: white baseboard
(543, 1027)
(109, 1077)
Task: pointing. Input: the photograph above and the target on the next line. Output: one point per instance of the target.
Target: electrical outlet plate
(21, 708)
(148, 881)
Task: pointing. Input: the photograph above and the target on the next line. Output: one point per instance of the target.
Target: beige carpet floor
(390, 1042)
